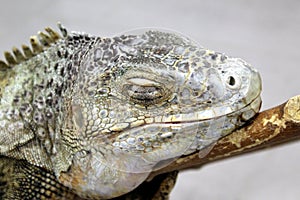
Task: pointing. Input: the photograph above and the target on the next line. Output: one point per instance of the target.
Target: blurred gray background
(264, 33)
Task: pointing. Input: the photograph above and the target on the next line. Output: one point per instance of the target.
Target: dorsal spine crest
(38, 44)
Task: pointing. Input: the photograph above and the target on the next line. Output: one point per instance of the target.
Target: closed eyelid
(142, 82)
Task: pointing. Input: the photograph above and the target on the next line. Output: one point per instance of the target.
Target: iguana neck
(35, 99)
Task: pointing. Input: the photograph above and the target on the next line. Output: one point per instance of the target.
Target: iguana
(87, 117)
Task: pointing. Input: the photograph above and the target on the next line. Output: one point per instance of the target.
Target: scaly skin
(102, 113)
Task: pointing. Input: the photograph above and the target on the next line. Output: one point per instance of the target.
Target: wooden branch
(272, 127)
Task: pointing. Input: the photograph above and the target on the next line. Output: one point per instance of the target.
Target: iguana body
(99, 114)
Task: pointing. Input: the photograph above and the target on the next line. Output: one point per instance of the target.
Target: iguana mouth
(245, 113)
(253, 106)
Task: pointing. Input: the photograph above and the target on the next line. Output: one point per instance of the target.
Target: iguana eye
(143, 91)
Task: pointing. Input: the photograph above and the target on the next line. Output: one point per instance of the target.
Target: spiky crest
(38, 42)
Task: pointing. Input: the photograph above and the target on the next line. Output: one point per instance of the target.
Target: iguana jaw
(129, 168)
(212, 113)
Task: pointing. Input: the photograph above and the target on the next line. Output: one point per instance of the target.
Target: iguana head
(141, 101)
(102, 113)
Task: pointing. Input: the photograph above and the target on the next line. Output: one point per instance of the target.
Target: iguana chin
(98, 114)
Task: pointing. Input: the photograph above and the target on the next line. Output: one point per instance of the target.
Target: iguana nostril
(231, 81)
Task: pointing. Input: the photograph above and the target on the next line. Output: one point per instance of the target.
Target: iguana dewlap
(101, 113)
